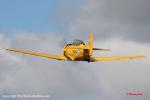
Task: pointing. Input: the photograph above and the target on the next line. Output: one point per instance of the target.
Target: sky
(36, 15)
(41, 25)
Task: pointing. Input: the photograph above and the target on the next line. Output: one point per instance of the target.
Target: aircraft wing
(39, 54)
(116, 58)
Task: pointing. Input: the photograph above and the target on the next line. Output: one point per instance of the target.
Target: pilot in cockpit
(76, 42)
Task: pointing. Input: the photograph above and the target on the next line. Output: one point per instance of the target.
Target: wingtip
(141, 56)
(144, 56)
(8, 49)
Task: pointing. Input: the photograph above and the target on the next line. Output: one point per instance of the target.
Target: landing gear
(89, 59)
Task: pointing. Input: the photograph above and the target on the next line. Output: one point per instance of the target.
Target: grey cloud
(24, 74)
(125, 19)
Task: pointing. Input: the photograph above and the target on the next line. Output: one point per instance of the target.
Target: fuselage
(76, 51)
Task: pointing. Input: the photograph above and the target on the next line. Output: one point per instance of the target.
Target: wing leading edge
(117, 58)
(39, 54)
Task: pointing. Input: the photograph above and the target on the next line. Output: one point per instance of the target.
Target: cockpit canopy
(76, 42)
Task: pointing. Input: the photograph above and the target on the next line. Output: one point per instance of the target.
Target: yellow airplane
(78, 51)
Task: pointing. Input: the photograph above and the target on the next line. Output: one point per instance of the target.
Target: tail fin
(90, 45)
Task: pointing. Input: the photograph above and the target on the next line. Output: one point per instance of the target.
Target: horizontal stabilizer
(101, 49)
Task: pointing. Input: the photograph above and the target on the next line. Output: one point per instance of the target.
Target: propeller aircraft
(78, 51)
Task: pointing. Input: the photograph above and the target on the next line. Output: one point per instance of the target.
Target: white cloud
(109, 80)
(24, 74)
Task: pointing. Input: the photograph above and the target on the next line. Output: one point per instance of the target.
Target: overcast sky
(120, 25)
